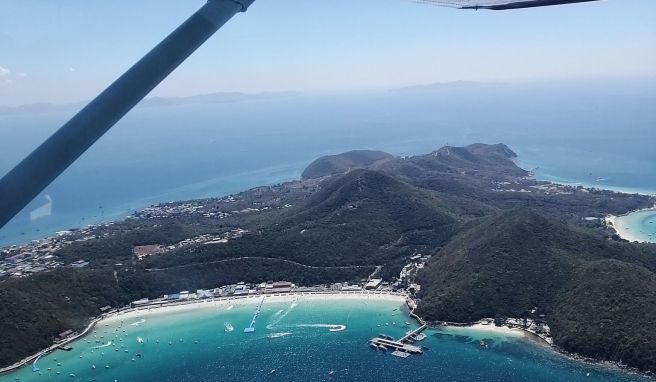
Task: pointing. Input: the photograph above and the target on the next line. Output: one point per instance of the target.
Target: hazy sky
(69, 50)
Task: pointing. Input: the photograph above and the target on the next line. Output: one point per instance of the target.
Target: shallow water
(638, 226)
(294, 339)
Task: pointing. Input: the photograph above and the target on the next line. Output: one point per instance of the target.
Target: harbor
(403, 347)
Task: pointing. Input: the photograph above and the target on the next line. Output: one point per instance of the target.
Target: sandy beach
(231, 302)
(623, 229)
(500, 330)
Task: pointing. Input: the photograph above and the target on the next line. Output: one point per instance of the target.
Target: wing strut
(25, 181)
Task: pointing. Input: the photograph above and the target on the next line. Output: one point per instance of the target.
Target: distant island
(217, 97)
(489, 241)
(448, 85)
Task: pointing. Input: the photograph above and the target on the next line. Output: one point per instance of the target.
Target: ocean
(293, 342)
(592, 133)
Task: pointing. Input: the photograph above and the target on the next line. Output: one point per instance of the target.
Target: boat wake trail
(281, 316)
(331, 327)
(230, 307)
(103, 346)
(278, 335)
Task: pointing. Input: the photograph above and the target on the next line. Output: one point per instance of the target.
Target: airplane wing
(500, 5)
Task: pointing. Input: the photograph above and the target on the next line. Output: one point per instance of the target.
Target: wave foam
(331, 327)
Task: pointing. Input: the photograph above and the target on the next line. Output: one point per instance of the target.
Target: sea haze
(594, 133)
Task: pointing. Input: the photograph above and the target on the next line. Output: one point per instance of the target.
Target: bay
(293, 342)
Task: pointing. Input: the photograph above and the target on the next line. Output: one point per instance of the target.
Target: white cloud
(21, 75)
(71, 69)
(4, 71)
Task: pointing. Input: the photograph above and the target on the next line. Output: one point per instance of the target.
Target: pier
(386, 344)
(401, 348)
(413, 333)
(251, 328)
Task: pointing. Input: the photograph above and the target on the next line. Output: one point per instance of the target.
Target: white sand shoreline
(622, 229)
(211, 303)
(226, 302)
(502, 330)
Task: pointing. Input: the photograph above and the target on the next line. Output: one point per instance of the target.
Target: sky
(69, 50)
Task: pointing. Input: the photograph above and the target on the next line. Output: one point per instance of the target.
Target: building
(142, 251)
(281, 287)
(64, 335)
(79, 264)
(373, 284)
(143, 301)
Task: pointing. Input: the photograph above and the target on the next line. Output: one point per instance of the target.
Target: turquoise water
(294, 339)
(639, 225)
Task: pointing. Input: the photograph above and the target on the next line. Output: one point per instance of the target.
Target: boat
(386, 337)
(400, 354)
(419, 337)
(483, 344)
(65, 348)
(382, 348)
(228, 327)
(373, 346)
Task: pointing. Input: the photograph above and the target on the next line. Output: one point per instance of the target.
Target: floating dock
(251, 328)
(35, 368)
(385, 344)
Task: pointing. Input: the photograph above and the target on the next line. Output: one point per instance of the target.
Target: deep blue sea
(594, 133)
(293, 342)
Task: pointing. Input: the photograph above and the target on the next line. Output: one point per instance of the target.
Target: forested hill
(598, 295)
(503, 244)
(342, 163)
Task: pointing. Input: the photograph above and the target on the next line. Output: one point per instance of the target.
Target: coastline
(164, 308)
(213, 303)
(485, 325)
(620, 228)
(52, 347)
(218, 302)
